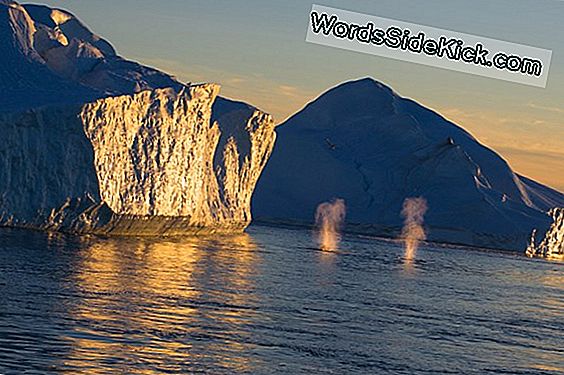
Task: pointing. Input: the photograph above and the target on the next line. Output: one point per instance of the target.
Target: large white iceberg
(93, 143)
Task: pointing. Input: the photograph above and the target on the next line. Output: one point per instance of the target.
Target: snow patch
(60, 17)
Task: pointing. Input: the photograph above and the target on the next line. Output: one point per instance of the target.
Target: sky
(257, 51)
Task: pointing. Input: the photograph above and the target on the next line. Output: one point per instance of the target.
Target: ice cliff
(362, 142)
(93, 143)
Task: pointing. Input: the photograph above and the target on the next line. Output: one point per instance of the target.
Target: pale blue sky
(256, 49)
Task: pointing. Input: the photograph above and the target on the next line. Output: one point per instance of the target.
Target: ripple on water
(269, 301)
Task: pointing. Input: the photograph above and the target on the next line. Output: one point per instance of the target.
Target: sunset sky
(257, 51)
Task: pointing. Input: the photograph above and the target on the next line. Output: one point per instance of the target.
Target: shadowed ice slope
(49, 57)
(362, 142)
(25, 79)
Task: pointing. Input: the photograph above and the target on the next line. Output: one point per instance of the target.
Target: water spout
(329, 218)
(413, 212)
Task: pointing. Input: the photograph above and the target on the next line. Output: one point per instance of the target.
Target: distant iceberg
(552, 245)
(362, 142)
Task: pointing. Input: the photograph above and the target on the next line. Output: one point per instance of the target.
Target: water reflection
(271, 303)
(553, 306)
(172, 292)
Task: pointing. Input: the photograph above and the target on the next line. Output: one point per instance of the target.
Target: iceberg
(364, 143)
(552, 245)
(94, 143)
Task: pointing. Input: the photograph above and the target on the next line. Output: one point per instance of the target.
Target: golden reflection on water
(554, 302)
(546, 305)
(408, 263)
(150, 298)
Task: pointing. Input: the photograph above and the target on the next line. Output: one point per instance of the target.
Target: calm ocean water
(269, 302)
